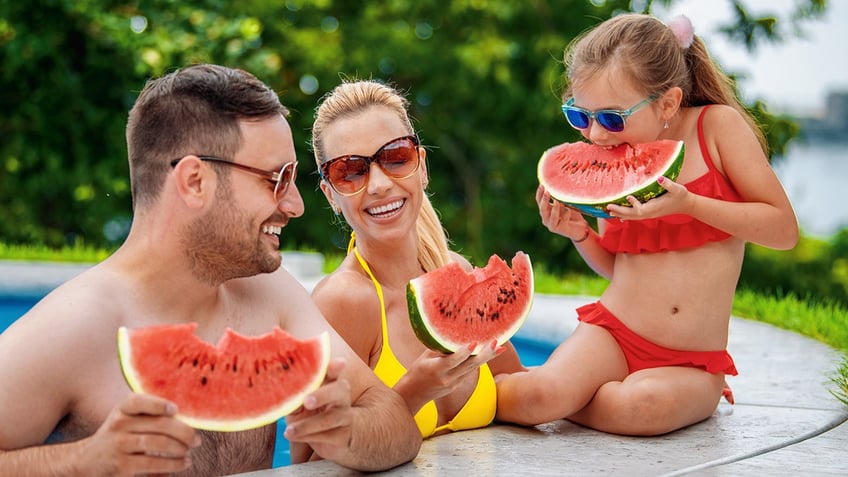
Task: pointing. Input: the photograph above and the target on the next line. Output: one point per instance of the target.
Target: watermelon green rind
(228, 423)
(646, 189)
(424, 326)
(419, 326)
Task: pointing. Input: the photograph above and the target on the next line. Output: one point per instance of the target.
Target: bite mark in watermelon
(450, 308)
(242, 383)
(588, 177)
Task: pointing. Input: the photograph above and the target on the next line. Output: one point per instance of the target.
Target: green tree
(484, 79)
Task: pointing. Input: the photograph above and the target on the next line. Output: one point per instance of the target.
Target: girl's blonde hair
(648, 53)
(354, 97)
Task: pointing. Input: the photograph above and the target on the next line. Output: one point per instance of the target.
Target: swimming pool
(532, 353)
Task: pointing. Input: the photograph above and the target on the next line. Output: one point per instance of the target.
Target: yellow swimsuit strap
(388, 368)
(379, 289)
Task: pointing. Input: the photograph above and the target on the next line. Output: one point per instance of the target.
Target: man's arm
(139, 436)
(50, 360)
(374, 431)
(353, 419)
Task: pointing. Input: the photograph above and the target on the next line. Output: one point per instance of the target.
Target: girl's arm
(764, 216)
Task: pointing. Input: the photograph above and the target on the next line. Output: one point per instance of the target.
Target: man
(203, 248)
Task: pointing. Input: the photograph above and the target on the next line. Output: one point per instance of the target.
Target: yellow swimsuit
(478, 411)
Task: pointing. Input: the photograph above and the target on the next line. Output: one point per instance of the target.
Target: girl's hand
(676, 200)
(559, 218)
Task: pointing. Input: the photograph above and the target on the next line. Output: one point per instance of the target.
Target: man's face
(239, 234)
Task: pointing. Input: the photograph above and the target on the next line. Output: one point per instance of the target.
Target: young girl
(650, 356)
(373, 173)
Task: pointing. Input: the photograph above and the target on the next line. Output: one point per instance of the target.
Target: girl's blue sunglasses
(611, 119)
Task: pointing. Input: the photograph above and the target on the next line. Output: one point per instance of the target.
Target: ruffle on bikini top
(672, 232)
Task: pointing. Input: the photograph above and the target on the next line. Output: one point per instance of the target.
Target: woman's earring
(665, 126)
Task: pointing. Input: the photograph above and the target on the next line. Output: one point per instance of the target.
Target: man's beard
(219, 247)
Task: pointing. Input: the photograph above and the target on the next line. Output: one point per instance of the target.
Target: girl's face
(609, 90)
(387, 208)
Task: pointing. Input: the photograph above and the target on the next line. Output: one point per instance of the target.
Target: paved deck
(785, 420)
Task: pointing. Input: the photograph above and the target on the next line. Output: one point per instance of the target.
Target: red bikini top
(678, 231)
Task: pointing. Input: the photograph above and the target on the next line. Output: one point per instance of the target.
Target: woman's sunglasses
(348, 174)
(610, 119)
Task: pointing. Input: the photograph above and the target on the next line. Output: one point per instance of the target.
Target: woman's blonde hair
(353, 97)
(647, 51)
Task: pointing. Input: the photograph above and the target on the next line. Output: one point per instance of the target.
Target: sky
(793, 76)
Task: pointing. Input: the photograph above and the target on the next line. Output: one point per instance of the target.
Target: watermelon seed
(194, 363)
(235, 364)
(203, 380)
(249, 382)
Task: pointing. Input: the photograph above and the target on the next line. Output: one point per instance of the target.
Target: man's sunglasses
(611, 119)
(280, 179)
(348, 174)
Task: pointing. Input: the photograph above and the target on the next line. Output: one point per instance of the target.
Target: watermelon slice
(242, 383)
(450, 308)
(588, 177)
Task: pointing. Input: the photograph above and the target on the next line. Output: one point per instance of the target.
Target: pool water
(532, 353)
(12, 307)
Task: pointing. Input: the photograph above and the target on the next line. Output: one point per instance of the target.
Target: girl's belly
(680, 300)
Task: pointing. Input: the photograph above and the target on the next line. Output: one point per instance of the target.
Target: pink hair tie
(682, 28)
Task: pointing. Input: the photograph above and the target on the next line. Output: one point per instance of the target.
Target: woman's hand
(433, 374)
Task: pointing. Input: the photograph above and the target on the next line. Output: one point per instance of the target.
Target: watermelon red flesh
(450, 308)
(588, 177)
(242, 383)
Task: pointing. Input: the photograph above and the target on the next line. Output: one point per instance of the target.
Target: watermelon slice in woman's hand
(450, 308)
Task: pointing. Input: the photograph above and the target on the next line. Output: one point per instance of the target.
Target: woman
(373, 173)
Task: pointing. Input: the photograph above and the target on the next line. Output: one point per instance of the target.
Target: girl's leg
(566, 382)
(653, 401)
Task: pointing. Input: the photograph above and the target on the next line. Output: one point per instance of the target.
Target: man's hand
(324, 421)
(140, 436)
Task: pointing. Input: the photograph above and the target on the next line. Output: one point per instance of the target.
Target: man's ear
(193, 181)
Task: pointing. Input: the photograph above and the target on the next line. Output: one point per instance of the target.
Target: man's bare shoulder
(59, 360)
(83, 304)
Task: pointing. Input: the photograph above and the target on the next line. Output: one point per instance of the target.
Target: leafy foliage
(814, 270)
(484, 79)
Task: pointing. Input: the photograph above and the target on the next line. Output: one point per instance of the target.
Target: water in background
(815, 177)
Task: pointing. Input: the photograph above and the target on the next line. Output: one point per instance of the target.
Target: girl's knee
(655, 407)
(527, 399)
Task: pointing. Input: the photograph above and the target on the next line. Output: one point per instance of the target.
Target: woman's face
(386, 209)
(610, 90)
